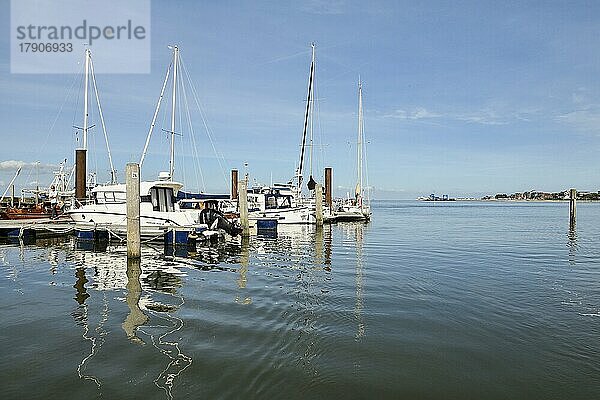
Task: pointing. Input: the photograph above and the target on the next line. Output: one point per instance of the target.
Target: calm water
(428, 301)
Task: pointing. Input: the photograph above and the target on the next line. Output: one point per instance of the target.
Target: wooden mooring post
(572, 208)
(243, 207)
(132, 184)
(234, 184)
(319, 204)
(80, 174)
(329, 187)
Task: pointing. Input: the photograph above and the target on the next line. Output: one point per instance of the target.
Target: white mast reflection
(359, 305)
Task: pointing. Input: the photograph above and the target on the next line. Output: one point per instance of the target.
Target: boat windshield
(162, 199)
(277, 201)
(110, 197)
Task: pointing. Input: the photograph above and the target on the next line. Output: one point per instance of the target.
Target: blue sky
(459, 97)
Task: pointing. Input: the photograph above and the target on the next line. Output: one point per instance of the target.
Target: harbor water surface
(444, 300)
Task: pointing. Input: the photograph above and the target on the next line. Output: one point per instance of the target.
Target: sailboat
(159, 210)
(359, 207)
(61, 182)
(284, 202)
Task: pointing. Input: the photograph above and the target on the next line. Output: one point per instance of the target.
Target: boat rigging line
(162, 93)
(218, 155)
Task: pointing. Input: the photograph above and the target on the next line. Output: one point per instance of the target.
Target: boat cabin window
(110, 197)
(270, 202)
(273, 201)
(162, 199)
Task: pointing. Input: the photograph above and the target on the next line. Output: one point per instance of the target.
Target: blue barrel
(85, 235)
(176, 237)
(26, 233)
(266, 224)
(97, 235)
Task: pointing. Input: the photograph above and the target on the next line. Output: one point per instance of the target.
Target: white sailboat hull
(353, 213)
(294, 215)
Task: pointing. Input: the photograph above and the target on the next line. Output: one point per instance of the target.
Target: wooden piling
(329, 187)
(319, 204)
(80, 174)
(132, 184)
(234, 184)
(243, 206)
(572, 208)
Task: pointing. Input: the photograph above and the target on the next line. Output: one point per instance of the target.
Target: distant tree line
(535, 195)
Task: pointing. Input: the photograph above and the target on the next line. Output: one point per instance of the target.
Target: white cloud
(12, 165)
(324, 7)
(485, 116)
(586, 119)
(417, 113)
(580, 95)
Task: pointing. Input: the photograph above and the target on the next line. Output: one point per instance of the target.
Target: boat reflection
(354, 232)
(359, 305)
(166, 325)
(298, 264)
(151, 295)
(96, 337)
(297, 244)
(147, 297)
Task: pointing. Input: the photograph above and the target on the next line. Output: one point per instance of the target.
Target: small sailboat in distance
(359, 207)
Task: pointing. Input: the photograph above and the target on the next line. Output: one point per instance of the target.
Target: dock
(36, 228)
(29, 230)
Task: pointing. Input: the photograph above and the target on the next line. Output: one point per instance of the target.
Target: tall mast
(360, 144)
(85, 97)
(113, 171)
(306, 116)
(312, 113)
(175, 62)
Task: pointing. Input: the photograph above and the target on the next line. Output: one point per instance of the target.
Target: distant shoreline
(532, 195)
(509, 200)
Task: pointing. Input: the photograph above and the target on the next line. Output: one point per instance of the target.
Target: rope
(196, 156)
(60, 231)
(156, 237)
(115, 235)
